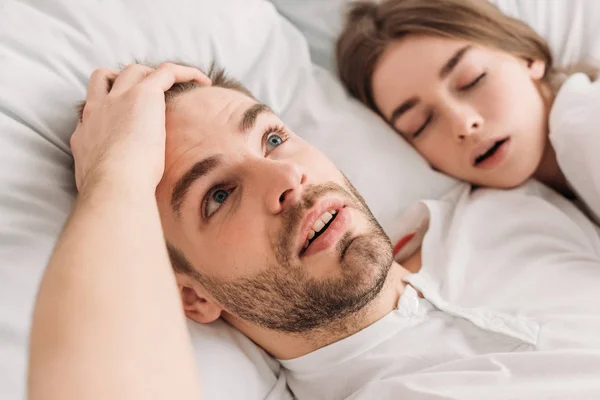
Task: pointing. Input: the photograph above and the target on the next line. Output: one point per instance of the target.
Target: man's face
(241, 198)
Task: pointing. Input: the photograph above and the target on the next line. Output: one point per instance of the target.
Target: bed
(282, 50)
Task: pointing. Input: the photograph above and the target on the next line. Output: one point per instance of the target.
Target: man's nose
(283, 181)
(464, 122)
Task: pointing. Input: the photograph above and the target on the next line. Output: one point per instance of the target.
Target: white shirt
(575, 136)
(511, 309)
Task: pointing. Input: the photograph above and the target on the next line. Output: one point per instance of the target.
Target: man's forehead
(203, 114)
(202, 117)
(204, 105)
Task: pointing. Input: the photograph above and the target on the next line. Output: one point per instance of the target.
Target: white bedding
(575, 136)
(47, 52)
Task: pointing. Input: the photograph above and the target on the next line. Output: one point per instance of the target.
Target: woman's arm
(108, 322)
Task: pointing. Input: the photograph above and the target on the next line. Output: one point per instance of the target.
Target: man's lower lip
(332, 235)
(497, 158)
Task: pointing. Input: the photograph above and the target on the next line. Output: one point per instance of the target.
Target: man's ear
(537, 69)
(197, 304)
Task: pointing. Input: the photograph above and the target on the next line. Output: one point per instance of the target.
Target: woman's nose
(465, 122)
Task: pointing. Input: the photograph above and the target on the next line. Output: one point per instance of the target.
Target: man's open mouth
(489, 152)
(319, 227)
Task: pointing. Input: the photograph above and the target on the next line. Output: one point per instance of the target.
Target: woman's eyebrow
(453, 61)
(402, 108)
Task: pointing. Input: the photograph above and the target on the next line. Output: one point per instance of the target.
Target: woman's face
(473, 112)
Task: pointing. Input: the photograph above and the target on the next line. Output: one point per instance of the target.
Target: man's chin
(366, 255)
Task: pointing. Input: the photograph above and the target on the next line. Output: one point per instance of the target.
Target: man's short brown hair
(219, 78)
(217, 75)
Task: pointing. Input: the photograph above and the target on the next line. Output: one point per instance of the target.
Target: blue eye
(274, 137)
(274, 140)
(220, 196)
(215, 200)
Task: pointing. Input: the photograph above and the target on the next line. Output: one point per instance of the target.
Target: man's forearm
(108, 313)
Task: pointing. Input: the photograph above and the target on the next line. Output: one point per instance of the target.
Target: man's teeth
(321, 222)
(319, 225)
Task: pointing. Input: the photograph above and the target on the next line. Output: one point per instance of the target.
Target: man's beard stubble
(284, 298)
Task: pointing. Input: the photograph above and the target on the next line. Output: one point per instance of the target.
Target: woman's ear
(197, 304)
(537, 69)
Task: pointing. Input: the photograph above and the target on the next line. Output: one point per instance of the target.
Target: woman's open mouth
(491, 154)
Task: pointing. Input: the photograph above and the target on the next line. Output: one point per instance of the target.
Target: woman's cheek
(435, 152)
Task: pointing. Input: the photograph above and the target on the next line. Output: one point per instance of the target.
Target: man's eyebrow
(453, 61)
(198, 170)
(251, 115)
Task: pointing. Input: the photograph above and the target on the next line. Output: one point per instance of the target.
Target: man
(264, 232)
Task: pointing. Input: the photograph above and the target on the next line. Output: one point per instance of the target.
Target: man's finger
(131, 75)
(99, 84)
(168, 74)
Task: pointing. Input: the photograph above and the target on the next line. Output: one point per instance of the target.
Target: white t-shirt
(511, 309)
(575, 136)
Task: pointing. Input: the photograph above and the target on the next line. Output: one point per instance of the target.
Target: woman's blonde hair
(371, 27)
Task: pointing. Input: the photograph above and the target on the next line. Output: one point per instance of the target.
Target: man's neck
(287, 346)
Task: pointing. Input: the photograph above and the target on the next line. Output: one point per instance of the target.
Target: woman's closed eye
(475, 82)
(422, 127)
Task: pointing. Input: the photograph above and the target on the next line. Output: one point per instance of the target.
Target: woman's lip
(332, 234)
(497, 158)
(326, 204)
(484, 147)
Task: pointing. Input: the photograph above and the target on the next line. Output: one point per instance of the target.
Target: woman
(469, 87)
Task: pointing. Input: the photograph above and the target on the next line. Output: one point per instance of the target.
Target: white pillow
(570, 27)
(320, 21)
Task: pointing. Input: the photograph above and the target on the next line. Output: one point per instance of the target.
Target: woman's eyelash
(430, 117)
(475, 82)
(422, 128)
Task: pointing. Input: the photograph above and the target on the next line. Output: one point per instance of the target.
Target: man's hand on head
(121, 135)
